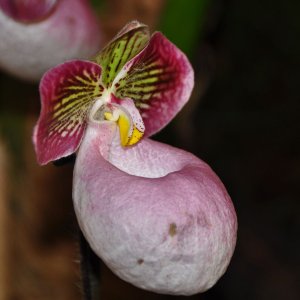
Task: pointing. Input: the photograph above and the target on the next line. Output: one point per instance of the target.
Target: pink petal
(67, 93)
(158, 216)
(160, 81)
(28, 11)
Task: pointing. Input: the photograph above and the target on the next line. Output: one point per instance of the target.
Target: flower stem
(90, 270)
(89, 261)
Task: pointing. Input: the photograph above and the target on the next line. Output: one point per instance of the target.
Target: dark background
(246, 126)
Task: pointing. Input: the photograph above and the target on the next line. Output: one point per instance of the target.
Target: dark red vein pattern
(67, 93)
(160, 80)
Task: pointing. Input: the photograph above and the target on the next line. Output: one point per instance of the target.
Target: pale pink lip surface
(28, 11)
(38, 35)
(158, 216)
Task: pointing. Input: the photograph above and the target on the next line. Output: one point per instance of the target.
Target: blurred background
(242, 119)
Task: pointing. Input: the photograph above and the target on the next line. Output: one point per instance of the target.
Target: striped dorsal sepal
(130, 41)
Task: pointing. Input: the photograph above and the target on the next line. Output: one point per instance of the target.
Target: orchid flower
(157, 216)
(39, 34)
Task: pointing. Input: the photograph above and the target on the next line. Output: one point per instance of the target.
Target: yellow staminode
(128, 137)
(124, 127)
(135, 137)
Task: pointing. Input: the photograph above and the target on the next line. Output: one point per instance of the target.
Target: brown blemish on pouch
(172, 229)
(140, 261)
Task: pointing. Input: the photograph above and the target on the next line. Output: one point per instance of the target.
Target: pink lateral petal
(160, 80)
(153, 212)
(67, 93)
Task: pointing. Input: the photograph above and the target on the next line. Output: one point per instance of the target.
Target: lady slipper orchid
(39, 34)
(158, 216)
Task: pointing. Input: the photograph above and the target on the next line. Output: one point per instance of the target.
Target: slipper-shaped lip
(153, 212)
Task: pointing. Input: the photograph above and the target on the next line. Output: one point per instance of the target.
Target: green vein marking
(113, 58)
